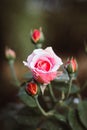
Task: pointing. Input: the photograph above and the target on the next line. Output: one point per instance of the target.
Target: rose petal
(43, 64)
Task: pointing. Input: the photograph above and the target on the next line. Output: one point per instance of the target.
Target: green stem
(38, 45)
(84, 86)
(70, 85)
(11, 64)
(50, 113)
(51, 93)
(79, 96)
(62, 95)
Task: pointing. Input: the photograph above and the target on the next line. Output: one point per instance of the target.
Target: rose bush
(61, 107)
(44, 64)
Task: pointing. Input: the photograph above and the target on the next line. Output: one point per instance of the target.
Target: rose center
(43, 65)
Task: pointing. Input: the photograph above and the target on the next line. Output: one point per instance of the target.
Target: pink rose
(43, 64)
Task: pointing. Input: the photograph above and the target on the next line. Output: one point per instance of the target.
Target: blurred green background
(64, 24)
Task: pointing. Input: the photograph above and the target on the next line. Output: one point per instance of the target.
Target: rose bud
(44, 65)
(37, 36)
(71, 65)
(10, 54)
(32, 88)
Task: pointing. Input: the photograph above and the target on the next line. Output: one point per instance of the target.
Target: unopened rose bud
(37, 36)
(71, 65)
(10, 54)
(32, 88)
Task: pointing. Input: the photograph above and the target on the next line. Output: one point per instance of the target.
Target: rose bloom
(44, 65)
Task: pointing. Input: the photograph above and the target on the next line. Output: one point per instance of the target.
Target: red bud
(37, 36)
(32, 88)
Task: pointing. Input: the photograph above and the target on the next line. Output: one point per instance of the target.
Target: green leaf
(74, 121)
(51, 125)
(62, 78)
(63, 86)
(27, 99)
(28, 75)
(60, 86)
(27, 120)
(74, 89)
(82, 109)
(28, 116)
(60, 117)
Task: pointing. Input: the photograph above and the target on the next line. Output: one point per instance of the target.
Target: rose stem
(70, 85)
(51, 92)
(50, 113)
(84, 86)
(38, 46)
(11, 64)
